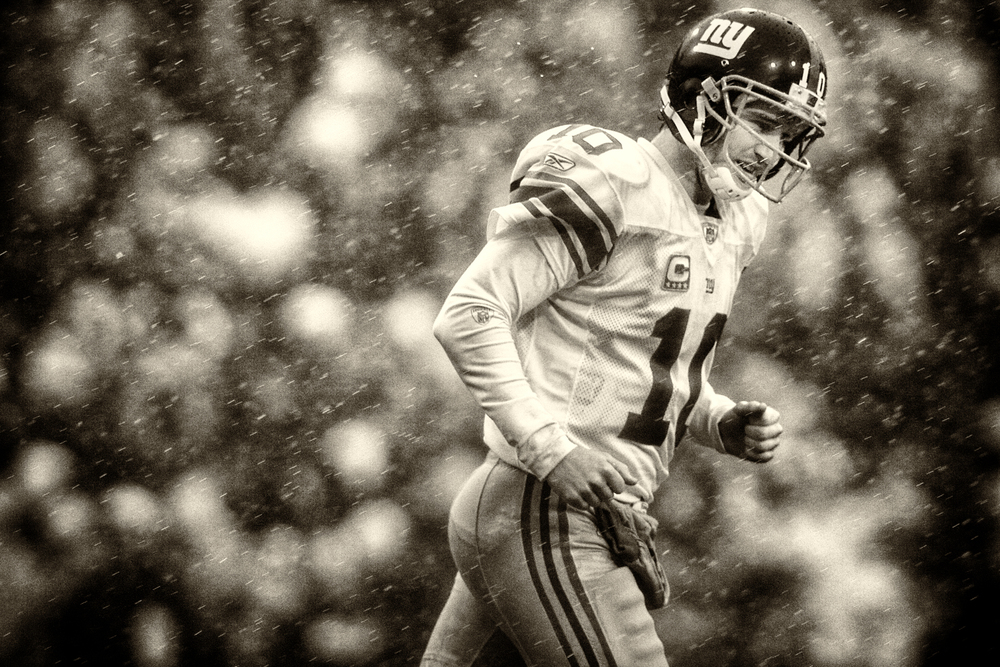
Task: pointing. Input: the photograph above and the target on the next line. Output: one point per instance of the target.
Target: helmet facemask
(800, 112)
(747, 74)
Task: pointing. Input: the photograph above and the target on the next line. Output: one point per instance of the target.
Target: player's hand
(586, 477)
(751, 431)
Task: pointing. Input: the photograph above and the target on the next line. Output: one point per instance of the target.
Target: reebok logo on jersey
(559, 162)
(723, 38)
(678, 274)
(481, 314)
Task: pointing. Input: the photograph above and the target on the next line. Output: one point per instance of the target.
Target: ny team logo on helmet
(741, 57)
(723, 38)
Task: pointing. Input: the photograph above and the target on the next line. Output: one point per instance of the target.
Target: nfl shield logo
(481, 315)
(711, 232)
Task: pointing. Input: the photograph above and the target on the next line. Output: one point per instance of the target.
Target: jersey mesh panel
(597, 406)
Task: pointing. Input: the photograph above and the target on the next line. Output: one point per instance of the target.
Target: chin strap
(719, 180)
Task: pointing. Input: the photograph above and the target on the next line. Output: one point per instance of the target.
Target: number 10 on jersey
(650, 426)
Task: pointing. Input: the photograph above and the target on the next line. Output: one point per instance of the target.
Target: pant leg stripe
(548, 535)
(536, 580)
(578, 588)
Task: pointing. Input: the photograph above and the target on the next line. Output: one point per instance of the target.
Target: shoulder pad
(617, 157)
(574, 176)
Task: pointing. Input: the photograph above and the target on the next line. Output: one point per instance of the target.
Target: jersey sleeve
(508, 278)
(561, 225)
(703, 425)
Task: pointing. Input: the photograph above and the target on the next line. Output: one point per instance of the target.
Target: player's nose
(764, 151)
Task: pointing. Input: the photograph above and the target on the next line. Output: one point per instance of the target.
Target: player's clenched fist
(751, 431)
(586, 477)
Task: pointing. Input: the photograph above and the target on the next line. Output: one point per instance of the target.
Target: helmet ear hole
(687, 93)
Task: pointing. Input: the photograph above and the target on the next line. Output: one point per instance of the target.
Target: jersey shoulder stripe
(577, 178)
(573, 187)
(577, 199)
(564, 234)
(584, 227)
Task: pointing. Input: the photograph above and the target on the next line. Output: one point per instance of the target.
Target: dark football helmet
(743, 59)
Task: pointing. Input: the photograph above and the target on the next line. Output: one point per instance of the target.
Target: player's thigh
(552, 584)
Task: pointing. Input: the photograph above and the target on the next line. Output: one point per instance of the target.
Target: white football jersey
(619, 353)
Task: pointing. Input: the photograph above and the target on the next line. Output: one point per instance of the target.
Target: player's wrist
(545, 449)
(731, 433)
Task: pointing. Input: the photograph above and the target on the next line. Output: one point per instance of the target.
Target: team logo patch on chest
(711, 231)
(678, 277)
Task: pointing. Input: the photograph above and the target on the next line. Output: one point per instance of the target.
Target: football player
(586, 329)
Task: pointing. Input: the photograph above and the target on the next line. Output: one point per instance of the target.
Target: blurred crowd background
(227, 436)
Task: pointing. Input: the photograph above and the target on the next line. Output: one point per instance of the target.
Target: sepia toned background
(227, 436)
